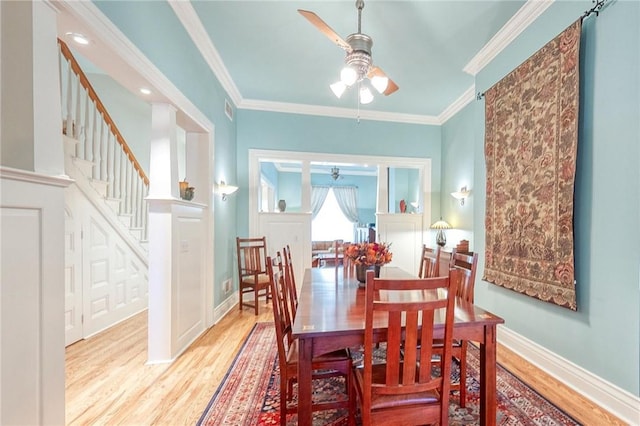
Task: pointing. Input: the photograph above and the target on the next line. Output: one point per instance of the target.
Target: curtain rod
(599, 5)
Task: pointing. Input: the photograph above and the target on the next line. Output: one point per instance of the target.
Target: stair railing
(99, 141)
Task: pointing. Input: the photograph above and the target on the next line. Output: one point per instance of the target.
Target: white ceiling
(267, 56)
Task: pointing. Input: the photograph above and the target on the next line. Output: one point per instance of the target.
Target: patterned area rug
(249, 393)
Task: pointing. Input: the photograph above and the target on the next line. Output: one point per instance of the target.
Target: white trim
(225, 307)
(615, 400)
(193, 25)
(464, 99)
(111, 36)
(35, 178)
(528, 13)
(325, 111)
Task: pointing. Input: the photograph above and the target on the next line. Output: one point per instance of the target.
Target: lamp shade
(441, 224)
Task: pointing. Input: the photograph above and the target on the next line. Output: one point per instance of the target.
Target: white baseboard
(226, 306)
(615, 400)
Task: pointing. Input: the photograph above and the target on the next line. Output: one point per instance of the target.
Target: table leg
(488, 377)
(305, 350)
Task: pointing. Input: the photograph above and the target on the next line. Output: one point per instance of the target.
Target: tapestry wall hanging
(531, 139)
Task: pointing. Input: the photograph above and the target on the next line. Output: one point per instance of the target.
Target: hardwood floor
(108, 381)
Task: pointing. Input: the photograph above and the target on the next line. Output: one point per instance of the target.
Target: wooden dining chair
(337, 363)
(404, 389)
(429, 262)
(465, 264)
(252, 270)
(290, 278)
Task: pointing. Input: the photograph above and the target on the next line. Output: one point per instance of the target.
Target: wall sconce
(461, 195)
(225, 189)
(441, 225)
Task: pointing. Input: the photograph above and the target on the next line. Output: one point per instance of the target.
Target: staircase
(106, 226)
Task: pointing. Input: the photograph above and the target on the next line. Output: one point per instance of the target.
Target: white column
(383, 189)
(31, 120)
(163, 167)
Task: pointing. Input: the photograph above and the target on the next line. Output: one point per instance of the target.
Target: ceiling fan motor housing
(360, 57)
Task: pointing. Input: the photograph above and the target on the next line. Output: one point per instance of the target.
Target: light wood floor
(107, 381)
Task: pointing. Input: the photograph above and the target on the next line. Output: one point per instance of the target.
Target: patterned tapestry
(531, 138)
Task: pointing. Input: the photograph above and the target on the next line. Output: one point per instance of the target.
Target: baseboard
(225, 307)
(610, 397)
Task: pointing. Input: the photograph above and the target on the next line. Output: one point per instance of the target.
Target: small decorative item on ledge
(403, 206)
(368, 256)
(282, 205)
(186, 192)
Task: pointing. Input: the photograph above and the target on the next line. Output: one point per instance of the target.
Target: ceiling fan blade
(377, 71)
(325, 29)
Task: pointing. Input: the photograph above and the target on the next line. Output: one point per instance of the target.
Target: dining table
(331, 315)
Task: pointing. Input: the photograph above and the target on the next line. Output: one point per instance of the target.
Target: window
(331, 223)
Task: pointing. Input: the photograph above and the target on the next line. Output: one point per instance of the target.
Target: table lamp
(441, 238)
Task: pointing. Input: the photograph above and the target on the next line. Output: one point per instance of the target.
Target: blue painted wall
(305, 133)
(603, 335)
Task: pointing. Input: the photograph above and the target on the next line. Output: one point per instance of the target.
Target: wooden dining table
(330, 316)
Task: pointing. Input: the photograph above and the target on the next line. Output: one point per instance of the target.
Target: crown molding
(254, 104)
(528, 13)
(115, 40)
(465, 99)
(193, 25)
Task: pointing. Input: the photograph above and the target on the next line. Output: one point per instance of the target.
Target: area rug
(531, 139)
(249, 393)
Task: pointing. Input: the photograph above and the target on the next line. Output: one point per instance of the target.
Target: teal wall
(305, 133)
(603, 335)
(154, 29)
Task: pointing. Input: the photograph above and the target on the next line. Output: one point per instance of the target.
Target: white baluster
(123, 181)
(88, 130)
(134, 195)
(79, 124)
(95, 142)
(103, 149)
(117, 154)
(110, 167)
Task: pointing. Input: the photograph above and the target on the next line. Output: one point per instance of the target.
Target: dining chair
(290, 279)
(405, 389)
(429, 262)
(337, 363)
(252, 270)
(465, 264)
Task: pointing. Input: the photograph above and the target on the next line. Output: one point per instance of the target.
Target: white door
(72, 277)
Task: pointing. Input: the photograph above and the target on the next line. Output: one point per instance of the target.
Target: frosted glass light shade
(348, 76)
(338, 88)
(380, 83)
(365, 95)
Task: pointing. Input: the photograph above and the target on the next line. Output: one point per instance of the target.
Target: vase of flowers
(368, 256)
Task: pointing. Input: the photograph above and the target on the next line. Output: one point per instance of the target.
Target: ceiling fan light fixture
(365, 95)
(338, 88)
(348, 75)
(380, 83)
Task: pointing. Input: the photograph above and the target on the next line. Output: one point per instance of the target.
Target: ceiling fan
(335, 173)
(358, 62)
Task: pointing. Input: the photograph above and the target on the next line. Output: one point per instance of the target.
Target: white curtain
(347, 200)
(318, 195)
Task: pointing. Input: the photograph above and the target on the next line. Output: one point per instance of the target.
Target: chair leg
(240, 304)
(463, 376)
(255, 299)
(284, 397)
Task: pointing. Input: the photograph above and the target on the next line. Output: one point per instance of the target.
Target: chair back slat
(290, 280)
(466, 264)
(429, 262)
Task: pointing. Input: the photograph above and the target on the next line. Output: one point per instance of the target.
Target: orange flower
(369, 253)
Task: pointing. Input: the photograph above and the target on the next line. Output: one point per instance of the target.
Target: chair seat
(251, 279)
(392, 401)
(339, 355)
